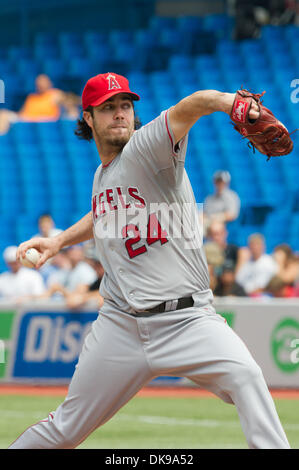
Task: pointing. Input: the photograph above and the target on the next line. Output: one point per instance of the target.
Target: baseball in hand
(31, 258)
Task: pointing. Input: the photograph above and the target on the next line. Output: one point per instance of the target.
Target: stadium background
(167, 49)
(165, 59)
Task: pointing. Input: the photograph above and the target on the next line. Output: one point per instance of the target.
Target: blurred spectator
(70, 107)
(257, 271)
(78, 277)
(246, 25)
(46, 104)
(226, 283)
(218, 234)
(224, 204)
(288, 264)
(276, 287)
(86, 293)
(47, 227)
(82, 273)
(61, 268)
(251, 15)
(214, 255)
(213, 277)
(18, 281)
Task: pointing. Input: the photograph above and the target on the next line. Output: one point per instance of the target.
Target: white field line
(148, 419)
(210, 423)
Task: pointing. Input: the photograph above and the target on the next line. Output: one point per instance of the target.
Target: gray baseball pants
(122, 353)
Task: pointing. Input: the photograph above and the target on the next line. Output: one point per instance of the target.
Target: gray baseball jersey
(151, 252)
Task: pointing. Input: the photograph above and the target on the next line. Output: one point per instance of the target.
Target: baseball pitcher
(158, 317)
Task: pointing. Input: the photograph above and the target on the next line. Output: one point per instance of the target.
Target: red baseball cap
(102, 87)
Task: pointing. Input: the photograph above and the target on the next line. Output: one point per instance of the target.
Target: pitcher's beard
(117, 142)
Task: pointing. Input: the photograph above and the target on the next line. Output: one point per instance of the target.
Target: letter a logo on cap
(112, 82)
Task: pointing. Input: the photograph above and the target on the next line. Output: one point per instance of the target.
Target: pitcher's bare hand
(48, 247)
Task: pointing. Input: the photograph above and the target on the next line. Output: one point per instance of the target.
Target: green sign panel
(229, 317)
(6, 329)
(283, 342)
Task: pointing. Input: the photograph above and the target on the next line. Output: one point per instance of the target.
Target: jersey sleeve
(155, 143)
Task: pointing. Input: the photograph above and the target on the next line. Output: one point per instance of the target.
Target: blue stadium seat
(117, 37)
(171, 38)
(26, 226)
(190, 24)
(257, 64)
(100, 53)
(52, 154)
(83, 67)
(222, 24)
(182, 68)
(8, 232)
(278, 221)
(291, 178)
(24, 133)
(6, 67)
(42, 51)
(13, 90)
(272, 33)
(16, 53)
(234, 75)
(206, 62)
(11, 201)
(62, 200)
(145, 39)
(55, 67)
(45, 38)
(157, 23)
(283, 76)
(35, 204)
(25, 66)
(49, 133)
(126, 52)
(61, 218)
(250, 47)
(8, 154)
(27, 152)
(211, 80)
(291, 34)
(72, 51)
(231, 62)
(28, 85)
(69, 37)
(293, 230)
(283, 61)
(227, 47)
(147, 112)
(259, 77)
(94, 37)
(58, 176)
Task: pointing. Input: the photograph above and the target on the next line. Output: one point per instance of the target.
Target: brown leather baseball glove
(265, 133)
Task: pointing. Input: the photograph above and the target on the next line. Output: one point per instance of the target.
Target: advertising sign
(42, 344)
(49, 344)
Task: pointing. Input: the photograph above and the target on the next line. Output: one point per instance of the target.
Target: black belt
(169, 305)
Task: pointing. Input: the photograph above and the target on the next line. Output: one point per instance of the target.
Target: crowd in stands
(246, 271)
(74, 274)
(249, 271)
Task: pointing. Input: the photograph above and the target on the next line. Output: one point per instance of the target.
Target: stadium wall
(40, 342)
